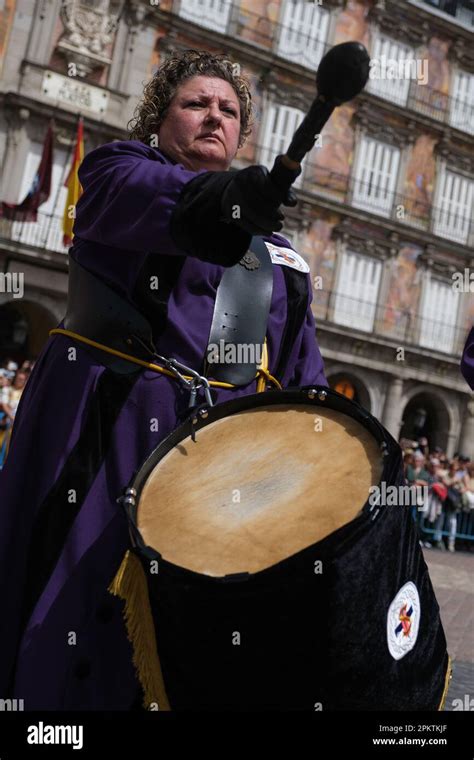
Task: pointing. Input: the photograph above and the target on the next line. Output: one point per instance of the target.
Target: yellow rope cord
(263, 374)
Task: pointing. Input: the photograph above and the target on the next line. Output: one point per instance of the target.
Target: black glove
(251, 201)
(218, 213)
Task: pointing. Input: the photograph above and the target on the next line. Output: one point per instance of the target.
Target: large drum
(279, 575)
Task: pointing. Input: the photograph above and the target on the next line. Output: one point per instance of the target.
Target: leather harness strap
(98, 313)
(241, 310)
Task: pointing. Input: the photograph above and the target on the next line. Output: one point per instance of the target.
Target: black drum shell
(301, 635)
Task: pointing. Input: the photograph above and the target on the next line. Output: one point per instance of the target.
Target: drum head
(256, 487)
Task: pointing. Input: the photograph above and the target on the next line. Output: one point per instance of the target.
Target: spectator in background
(462, 469)
(417, 474)
(444, 465)
(10, 398)
(422, 444)
(5, 384)
(28, 365)
(436, 497)
(469, 482)
(408, 460)
(453, 480)
(9, 364)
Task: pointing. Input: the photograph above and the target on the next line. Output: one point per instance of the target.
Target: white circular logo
(403, 621)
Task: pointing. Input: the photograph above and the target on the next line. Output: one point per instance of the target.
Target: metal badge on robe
(239, 322)
(250, 261)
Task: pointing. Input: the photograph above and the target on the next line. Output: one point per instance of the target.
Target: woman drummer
(160, 220)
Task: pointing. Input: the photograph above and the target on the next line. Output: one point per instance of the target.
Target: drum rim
(299, 395)
(321, 396)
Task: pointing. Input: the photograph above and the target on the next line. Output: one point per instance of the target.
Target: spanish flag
(74, 189)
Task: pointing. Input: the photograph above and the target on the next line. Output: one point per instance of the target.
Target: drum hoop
(321, 396)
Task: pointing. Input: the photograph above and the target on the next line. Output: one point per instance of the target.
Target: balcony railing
(402, 326)
(444, 221)
(457, 112)
(213, 14)
(46, 233)
(461, 10)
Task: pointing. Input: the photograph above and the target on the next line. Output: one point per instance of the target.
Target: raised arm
(129, 195)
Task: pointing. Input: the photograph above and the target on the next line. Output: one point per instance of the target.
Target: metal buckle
(195, 384)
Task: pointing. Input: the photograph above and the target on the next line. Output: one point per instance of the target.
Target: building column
(392, 412)
(466, 439)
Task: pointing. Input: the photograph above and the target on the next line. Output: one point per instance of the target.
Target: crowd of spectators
(448, 488)
(13, 379)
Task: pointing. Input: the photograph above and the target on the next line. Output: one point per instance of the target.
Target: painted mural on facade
(257, 21)
(403, 295)
(420, 180)
(318, 247)
(329, 165)
(468, 320)
(249, 152)
(352, 23)
(434, 97)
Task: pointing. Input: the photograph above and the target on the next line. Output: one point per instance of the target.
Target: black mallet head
(343, 72)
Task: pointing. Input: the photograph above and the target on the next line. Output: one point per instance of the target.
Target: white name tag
(287, 256)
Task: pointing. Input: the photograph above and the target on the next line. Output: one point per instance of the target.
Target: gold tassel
(130, 584)
(449, 675)
(262, 380)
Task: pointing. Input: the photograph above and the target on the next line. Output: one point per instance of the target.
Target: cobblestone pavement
(452, 575)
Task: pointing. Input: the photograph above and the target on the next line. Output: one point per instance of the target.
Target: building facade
(384, 217)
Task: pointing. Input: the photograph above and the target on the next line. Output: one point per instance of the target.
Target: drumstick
(342, 74)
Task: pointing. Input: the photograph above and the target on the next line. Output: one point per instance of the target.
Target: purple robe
(73, 652)
(467, 360)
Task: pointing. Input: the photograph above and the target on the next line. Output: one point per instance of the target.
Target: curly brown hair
(158, 93)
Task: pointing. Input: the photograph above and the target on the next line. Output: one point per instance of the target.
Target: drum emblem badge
(403, 621)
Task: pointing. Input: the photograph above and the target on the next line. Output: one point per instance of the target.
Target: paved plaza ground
(452, 575)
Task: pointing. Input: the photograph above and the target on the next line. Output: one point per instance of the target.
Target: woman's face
(20, 380)
(202, 106)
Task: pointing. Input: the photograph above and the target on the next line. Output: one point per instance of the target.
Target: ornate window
(460, 10)
(461, 112)
(452, 210)
(357, 290)
(213, 14)
(303, 32)
(375, 176)
(438, 314)
(280, 124)
(385, 79)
